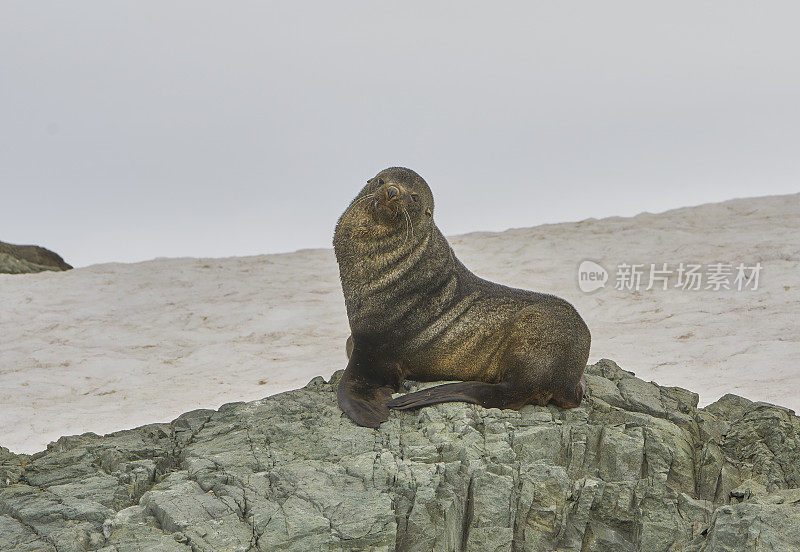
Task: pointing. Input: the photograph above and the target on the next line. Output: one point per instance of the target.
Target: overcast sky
(131, 130)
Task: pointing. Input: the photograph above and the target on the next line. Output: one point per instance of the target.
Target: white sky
(131, 130)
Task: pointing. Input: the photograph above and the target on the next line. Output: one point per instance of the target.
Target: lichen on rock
(24, 259)
(636, 467)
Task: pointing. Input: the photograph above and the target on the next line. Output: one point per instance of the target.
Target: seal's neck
(370, 257)
(386, 275)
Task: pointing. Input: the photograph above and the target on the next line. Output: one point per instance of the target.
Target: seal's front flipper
(488, 395)
(365, 405)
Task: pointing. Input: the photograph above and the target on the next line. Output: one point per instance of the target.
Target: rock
(637, 467)
(23, 259)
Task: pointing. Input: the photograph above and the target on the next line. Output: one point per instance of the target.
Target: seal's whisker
(408, 223)
(366, 197)
(359, 200)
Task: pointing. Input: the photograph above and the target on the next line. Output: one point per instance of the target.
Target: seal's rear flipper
(488, 395)
(365, 405)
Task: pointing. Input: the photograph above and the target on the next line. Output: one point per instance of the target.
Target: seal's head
(395, 199)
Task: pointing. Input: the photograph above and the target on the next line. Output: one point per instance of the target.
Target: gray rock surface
(24, 259)
(637, 468)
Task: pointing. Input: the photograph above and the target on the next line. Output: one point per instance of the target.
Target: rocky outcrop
(22, 259)
(637, 467)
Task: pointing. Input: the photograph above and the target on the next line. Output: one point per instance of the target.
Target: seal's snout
(392, 192)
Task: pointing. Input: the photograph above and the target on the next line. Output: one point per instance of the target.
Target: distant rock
(23, 259)
(637, 467)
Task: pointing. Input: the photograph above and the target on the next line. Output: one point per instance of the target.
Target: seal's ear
(428, 212)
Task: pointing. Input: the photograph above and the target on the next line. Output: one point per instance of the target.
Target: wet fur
(417, 312)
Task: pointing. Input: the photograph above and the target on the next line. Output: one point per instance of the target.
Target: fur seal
(416, 312)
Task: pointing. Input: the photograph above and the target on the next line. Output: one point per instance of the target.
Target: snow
(114, 346)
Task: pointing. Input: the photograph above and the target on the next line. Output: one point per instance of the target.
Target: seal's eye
(415, 197)
(380, 182)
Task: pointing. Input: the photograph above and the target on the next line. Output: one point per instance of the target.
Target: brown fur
(416, 312)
